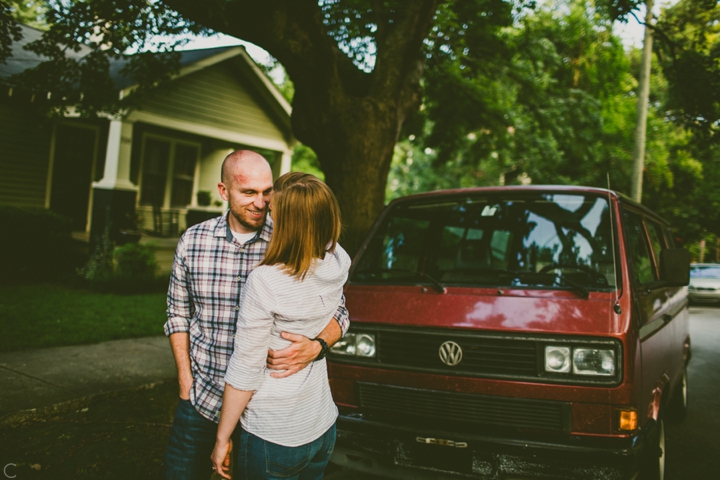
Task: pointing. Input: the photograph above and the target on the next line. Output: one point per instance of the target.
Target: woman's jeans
(257, 459)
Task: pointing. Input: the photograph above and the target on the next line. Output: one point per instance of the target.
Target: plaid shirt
(208, 275)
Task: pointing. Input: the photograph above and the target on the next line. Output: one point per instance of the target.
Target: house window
(168, 172)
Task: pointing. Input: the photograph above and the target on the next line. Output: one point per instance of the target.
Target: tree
(690, 56)
(356, 67)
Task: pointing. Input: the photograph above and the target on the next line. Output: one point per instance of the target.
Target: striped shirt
(298, 409)
(206, 283)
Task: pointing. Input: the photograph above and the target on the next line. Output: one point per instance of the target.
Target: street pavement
(36, 379)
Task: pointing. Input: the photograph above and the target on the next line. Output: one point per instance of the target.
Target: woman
(288, 424)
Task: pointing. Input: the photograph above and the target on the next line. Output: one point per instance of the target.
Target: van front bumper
(413, 453)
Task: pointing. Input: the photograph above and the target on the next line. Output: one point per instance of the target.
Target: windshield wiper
(435, 283)
(574, 286)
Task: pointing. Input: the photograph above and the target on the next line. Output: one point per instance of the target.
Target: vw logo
(450, 353)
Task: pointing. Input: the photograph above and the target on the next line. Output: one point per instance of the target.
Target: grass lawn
(38, 316)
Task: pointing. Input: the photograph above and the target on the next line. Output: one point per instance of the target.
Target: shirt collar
(223, 229)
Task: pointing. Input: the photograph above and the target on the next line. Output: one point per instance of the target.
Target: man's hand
(301, 352)
(294, 357)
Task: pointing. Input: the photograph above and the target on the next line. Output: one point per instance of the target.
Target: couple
(229, 328)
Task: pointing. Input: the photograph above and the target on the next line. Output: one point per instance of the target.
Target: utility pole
(642, 108)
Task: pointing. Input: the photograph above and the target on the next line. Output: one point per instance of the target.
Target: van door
(676, 318)
(653, 314)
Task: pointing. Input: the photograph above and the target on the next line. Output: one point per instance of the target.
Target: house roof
(190, 61)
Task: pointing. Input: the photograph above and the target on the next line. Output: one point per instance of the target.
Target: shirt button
(237, 307)
(242, 250)
(239, 278)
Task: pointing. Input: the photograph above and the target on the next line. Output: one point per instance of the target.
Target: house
(143, 169)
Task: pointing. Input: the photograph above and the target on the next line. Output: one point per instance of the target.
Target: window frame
(170, 173)
(654, 261)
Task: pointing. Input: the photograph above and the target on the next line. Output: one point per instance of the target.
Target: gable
(219, 97)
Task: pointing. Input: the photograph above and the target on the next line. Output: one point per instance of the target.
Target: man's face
(248, 191)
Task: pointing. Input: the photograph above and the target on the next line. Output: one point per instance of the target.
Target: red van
(513, 332)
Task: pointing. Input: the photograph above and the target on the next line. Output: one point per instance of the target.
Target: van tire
(677, 410)
(653, 464)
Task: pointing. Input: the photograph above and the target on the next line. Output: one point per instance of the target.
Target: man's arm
(302, 351)
(180, 344)
(176, 328)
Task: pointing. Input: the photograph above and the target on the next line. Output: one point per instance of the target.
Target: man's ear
(222, 190)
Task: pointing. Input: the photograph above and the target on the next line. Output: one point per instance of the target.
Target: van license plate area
(441, 455)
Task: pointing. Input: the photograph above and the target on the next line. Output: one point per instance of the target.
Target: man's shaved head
(239, 161)
(246, 183)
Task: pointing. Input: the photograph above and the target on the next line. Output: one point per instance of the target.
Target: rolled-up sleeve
(342, 316)
(252, 338)
(179, 304)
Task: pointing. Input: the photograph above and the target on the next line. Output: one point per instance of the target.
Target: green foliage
(29, 12)
(689, 48)
(559, 109)
(35, 245)
(305, 160)
(129, 268)
(135, 263)
(49, 315)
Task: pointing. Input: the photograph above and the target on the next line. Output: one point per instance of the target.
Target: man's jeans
(192, 440)
(257, 459)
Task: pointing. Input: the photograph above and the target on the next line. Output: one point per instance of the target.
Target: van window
(536, 239)
(639, 249)
(657, 240)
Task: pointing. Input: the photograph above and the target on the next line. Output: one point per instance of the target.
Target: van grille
(464, 407)
(481, 355)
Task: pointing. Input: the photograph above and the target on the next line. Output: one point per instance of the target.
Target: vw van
(513, 332)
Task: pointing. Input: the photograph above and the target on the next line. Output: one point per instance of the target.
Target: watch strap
(323, 348)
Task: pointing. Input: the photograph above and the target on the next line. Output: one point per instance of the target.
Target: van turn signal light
(628, 420)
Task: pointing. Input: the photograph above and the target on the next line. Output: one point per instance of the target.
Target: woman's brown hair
(307, 223)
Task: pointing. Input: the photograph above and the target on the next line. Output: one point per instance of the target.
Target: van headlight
(355, 344)
(557, 359)
(593, 361)
(580, 360)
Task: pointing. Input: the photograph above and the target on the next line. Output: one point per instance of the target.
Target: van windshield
(533, 240)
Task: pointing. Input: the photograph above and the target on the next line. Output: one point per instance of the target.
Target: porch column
(286, 162)
(115, 196)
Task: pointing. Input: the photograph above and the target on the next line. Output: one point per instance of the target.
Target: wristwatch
(323, 349)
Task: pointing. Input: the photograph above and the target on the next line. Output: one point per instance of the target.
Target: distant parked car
(704, 282)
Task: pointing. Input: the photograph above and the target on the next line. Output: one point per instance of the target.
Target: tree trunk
(355, 145)
(351, 118)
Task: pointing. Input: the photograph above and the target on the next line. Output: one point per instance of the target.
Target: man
(212, 262)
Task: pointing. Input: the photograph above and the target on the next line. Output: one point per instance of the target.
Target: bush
(130, 268)
(35, 244)
(134, 262)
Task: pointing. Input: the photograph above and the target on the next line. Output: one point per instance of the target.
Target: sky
(632, 32)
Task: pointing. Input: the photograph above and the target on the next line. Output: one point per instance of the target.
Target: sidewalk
(34, 379)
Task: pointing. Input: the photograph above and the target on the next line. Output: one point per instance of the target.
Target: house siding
(217, 97)
(24, 157)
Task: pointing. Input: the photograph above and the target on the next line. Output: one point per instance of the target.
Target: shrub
(135, 261)
(130, 268)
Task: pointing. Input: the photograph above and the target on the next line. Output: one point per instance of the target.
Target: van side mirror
(675, 266)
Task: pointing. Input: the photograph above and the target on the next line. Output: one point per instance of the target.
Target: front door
(72, 173)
